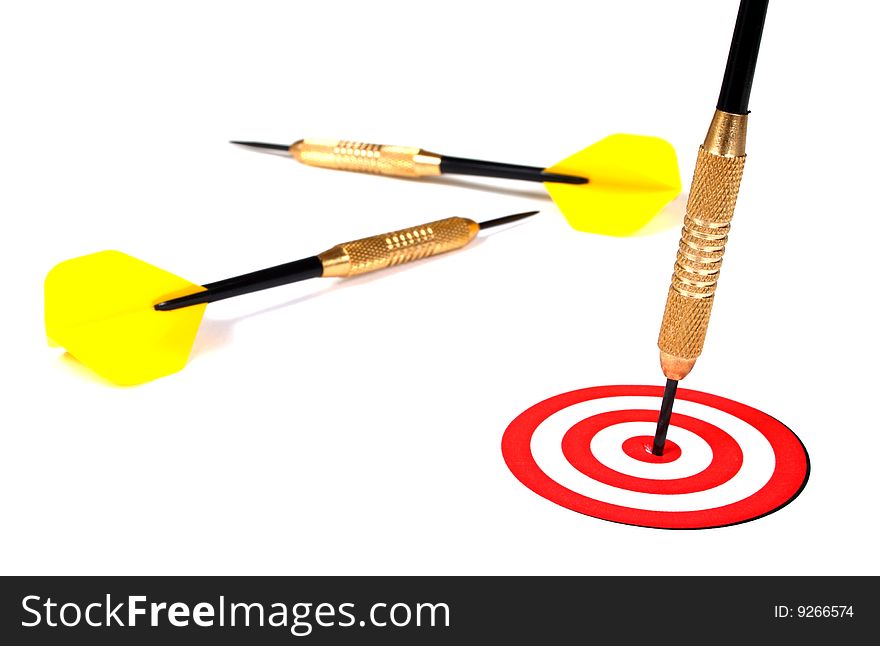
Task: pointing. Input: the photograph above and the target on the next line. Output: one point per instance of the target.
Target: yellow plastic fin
(100, 309)
(632, 178)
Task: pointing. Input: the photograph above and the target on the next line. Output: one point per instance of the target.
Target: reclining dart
(614, 187)
(131, 322)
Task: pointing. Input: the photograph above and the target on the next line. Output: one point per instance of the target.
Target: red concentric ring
(790, 473)
(727, 457)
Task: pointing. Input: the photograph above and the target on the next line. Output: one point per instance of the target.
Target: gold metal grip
(710, 207)
(397, 161)
(398, 247)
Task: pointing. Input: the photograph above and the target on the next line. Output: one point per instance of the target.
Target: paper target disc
(590, 450)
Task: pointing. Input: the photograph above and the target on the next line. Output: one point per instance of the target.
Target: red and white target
(590, 450)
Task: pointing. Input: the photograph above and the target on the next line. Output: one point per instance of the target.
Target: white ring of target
(758, 464)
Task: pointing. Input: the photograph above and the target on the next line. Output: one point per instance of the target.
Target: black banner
(433, 610)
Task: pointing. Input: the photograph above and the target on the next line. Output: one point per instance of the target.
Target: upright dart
(719, 169)
(131, 322)
(613, 187)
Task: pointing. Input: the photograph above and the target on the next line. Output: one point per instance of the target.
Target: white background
(354, 427)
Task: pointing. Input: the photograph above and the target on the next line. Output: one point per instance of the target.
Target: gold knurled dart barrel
(398, 247)
(710, 206)
(397, 161)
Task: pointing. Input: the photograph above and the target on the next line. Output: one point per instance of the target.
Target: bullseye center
(639, 448)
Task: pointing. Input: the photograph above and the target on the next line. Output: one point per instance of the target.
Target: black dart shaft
(462, 166)
(255, 281)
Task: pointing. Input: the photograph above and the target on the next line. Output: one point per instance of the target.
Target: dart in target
(590, 450)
